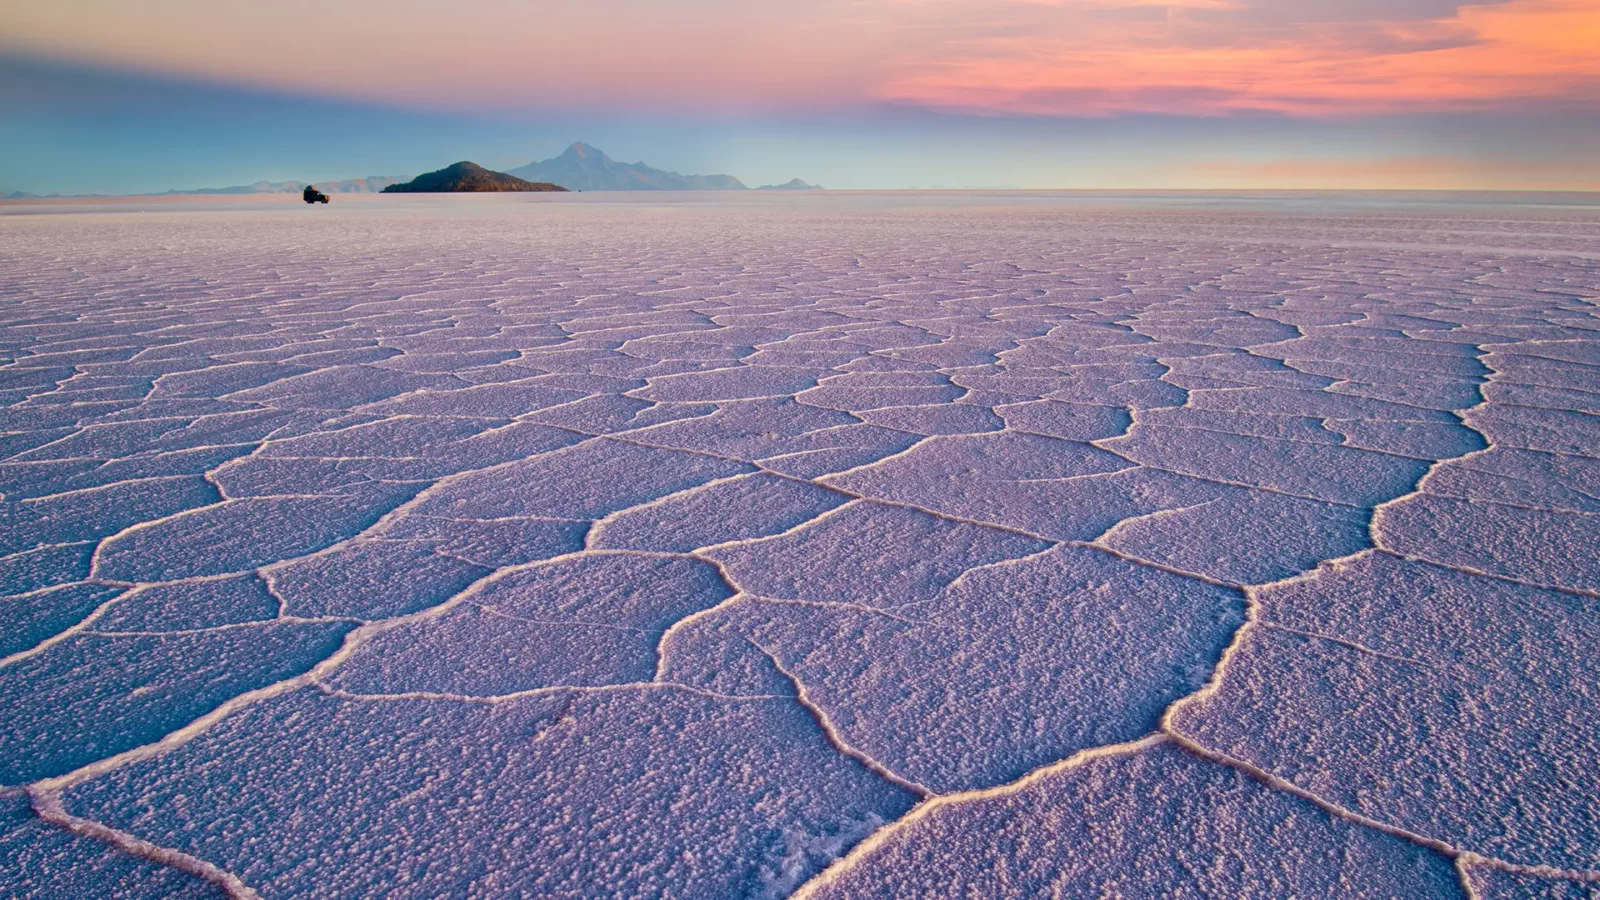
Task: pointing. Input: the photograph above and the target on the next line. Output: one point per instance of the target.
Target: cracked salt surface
(839, 546)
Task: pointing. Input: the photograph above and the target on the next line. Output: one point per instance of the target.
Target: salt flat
(921, 545)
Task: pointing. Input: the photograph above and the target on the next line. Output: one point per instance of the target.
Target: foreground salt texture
(859, 547)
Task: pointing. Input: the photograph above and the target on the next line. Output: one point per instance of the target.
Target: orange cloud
(1054, 57)
(1482, 56)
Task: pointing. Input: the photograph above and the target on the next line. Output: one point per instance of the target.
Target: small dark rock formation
(467, 177)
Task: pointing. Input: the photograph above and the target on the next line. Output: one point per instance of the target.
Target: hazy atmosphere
(848, 93)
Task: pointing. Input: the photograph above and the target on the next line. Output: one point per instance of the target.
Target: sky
(146, 95)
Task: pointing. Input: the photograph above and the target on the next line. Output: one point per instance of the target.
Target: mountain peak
(585, 167)
(581, 150)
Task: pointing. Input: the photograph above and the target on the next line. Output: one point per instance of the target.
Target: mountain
(793, 184)
(371, 184)
(467, 177)
(260, 187)
(368, 185)
(584, 168)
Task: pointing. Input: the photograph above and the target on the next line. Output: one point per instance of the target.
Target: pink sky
(1051, 57)
(853, 93)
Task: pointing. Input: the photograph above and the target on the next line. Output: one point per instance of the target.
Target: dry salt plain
(841, 546)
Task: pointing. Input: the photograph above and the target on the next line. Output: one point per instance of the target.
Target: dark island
(467, 177)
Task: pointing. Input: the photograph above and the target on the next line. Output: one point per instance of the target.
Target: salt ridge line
(1461, 859)
(834, 737)
(47, 805)
(1214, 684)
(933, 803)
(352, 642)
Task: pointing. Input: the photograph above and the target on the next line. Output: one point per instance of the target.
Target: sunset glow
(1395, 81)
(1052, 58)
(1480, 56)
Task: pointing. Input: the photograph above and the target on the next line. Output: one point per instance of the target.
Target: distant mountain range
(580, 168)
(585, 168)
(793, 184)
(467, 177)
(368, 185)
(371, 184)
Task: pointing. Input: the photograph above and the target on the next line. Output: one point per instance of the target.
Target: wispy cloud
(851, 93)
(1050, 57)
(1279, 57)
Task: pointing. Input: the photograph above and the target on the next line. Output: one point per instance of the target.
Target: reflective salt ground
(920, 545)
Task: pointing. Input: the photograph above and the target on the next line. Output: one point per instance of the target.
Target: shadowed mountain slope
(467, 177)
